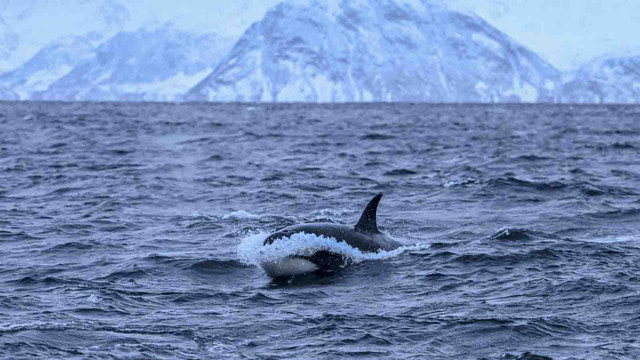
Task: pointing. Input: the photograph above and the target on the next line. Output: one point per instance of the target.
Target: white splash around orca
(307, 248)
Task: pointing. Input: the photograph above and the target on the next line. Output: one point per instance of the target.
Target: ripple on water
(134, 231)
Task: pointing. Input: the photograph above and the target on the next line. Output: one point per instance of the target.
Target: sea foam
(252, 251)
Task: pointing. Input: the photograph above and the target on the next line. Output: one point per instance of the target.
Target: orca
(364, 236)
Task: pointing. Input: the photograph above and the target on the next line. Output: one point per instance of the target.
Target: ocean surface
(131, 231)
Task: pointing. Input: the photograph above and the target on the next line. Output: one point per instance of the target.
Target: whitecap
(240, 214)
(460, 182)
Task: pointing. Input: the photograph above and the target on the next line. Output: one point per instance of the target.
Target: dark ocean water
(122, 229)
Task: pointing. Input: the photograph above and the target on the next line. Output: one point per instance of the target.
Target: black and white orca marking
(364, 236)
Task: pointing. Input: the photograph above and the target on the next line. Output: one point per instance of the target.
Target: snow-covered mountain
(566, 33)
(376, 50)
(604, 80)
(155, 64)
(48, 65)
(318, 50)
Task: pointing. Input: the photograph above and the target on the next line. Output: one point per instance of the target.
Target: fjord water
(129, 230)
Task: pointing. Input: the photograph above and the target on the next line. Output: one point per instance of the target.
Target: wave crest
(240, 215)
(513, 234)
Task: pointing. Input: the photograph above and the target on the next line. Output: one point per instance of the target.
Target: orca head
(324, 260)
(289, 266)
(284, 233)
(320, 261)
(327, 260)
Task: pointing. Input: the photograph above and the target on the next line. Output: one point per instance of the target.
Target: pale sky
(230, 17)
(566, 33)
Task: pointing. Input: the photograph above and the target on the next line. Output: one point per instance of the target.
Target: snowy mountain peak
(308, 50)
(376, 50)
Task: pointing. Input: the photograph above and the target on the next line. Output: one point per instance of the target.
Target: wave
(585, 286)
(509, 182)
(157, 263)
(400, 172)
(213, 158)
(624, 146)
(18, 235)
(521, 234)
(460, 182)
(205, 296)
(531, 158)
(377, 136)
(524, 356)
(34, 326)
(251, 250)
(216, 266)
(599, 190)
(70, 246)
(613, 214)
(487, 259)
(240, 214)
(586, 189)
(34, 280)
(135, 273)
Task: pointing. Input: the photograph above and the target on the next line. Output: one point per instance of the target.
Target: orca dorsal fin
(367, 222)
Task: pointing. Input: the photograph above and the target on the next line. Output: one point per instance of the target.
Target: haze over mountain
(604, 80)
(35, 24)
(383, 50)
(567, 33)
(157, 64)
(51, 63)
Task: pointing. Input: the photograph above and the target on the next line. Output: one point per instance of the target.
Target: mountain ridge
(376, 50)
(303, 50)
(150, 64)
(606, 79)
